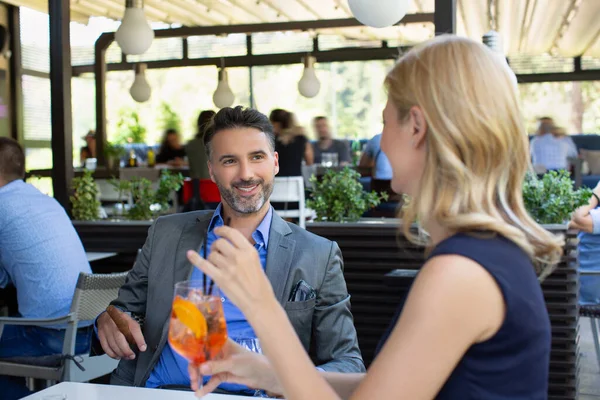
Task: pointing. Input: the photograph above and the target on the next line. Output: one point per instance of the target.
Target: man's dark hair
(12, 160)
(320, 118)
(203, 121)
(238, 117)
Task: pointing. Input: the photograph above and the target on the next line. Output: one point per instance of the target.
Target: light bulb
(140, 90)
(309, 84)
(134, 35)
(223, 96)
(381, 14)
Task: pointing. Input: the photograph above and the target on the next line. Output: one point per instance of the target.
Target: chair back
(93, 294)
(290, 190)
(209, 191)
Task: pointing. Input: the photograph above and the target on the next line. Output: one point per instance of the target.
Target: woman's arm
(244, 367)
(582, 219)
(451, 294)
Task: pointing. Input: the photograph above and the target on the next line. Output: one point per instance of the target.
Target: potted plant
(167, 184)
(113, 154)
(552, 199)
(122, 187)
(339, 196)
(85, 198)
(143, 199)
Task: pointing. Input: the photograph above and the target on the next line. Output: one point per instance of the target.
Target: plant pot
(112, 163)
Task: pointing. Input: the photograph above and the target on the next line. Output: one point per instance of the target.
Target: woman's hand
(234, 264)
(238, 365)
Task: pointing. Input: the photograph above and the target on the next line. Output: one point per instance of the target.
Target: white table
(89, 391)
(91, 256)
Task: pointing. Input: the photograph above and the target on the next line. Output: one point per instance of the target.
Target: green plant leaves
(552, 199)
(339, 196)
(85, 198)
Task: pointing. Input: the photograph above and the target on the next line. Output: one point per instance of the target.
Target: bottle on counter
(151, 157)
(132, 162)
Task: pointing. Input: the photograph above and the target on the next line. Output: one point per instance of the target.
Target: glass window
(352, 95)
(187, 91)
(38, 158)
(36, 108)
(83, 104)
(44, 185)
(573, 105)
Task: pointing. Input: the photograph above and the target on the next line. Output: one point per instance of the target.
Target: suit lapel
(279, 256)
(192, 237)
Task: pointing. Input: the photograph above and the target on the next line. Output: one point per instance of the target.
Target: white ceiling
(563, 27)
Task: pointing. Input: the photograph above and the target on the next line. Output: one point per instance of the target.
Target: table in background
(88, 391)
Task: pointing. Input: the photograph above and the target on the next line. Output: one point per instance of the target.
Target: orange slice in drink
(189, 315)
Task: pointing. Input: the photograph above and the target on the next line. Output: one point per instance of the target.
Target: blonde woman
(475, 324)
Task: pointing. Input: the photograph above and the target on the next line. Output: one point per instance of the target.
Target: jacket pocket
(300, 305)
(300, 314)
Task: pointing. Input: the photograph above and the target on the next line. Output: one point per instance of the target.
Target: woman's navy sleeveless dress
(514, 363)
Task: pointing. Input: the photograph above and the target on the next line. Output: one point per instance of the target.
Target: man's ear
(210, 172)
(276, 169)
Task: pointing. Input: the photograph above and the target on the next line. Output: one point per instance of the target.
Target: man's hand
(237, 365)
(112, 330)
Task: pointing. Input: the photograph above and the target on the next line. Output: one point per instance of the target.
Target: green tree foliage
(168, 118)
(129, 128)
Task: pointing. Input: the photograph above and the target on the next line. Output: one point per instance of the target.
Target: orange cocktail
(197, 330)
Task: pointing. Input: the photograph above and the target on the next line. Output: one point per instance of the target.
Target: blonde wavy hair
(477, 146)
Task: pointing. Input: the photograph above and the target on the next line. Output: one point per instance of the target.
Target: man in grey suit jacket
(305, 270)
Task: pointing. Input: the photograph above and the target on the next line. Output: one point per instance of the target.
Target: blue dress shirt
(172, 369)
(383, 169)
(552, 152)
(40, 251)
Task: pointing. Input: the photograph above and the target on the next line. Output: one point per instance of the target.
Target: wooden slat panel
(370, 252)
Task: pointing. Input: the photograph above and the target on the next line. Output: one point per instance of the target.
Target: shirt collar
(260, 235)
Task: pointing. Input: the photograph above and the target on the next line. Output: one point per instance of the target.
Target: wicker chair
(92, 295)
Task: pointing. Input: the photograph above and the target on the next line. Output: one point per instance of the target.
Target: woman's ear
(419, 126)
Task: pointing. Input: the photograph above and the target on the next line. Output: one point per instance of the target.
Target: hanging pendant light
(140, 90)
(134, 35)
(223, 96)
(309, 84)
(378, 13)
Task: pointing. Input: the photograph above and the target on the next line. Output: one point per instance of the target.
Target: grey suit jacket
(324, 324)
